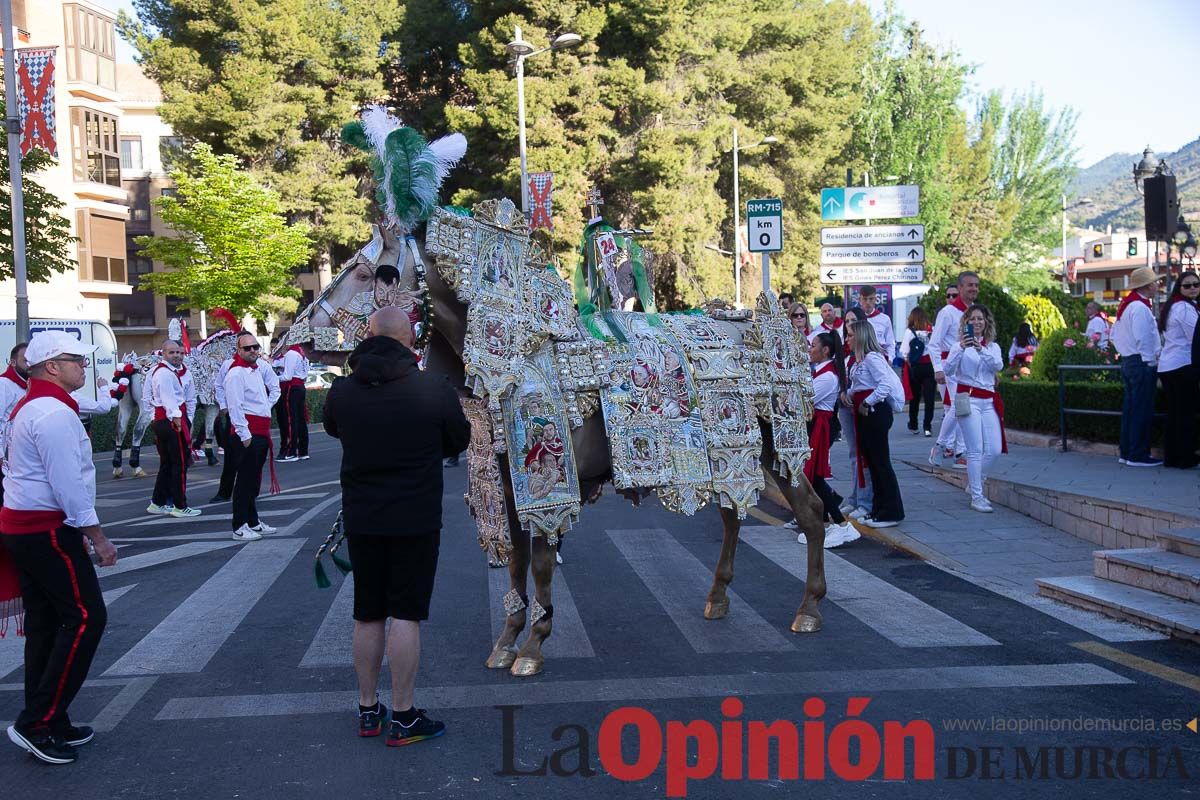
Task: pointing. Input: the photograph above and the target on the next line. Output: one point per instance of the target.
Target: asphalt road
(225, 672)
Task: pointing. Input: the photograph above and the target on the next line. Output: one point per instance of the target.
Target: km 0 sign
(764, 223)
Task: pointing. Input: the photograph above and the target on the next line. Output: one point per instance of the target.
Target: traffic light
(1132, 251)
(1097, 251)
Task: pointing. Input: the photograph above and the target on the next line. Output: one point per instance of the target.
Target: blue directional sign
(833, 204)
(870, 202)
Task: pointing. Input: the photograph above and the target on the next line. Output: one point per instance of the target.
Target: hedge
(101, 428)
(1053, 351)
(1073, 309)
(1043, 316)
(1032, 405)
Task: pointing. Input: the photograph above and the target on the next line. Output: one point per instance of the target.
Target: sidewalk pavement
(1006, 551)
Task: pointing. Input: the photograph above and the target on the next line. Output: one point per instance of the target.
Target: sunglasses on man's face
(250, 348)
(951, 295)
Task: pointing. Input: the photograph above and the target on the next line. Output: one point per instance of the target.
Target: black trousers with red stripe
(297, 441)
(170, 487)
(64, 619)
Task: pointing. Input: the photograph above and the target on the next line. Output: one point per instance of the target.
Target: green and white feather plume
(408, 170)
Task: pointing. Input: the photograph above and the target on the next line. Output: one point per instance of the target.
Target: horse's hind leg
(810, 517)
(717, 604)
(504, 651)
(530, 659)
(123, 415)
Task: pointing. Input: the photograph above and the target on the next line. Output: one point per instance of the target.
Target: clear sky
(1127, 66)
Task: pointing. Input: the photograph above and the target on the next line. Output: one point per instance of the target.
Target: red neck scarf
(837, 323)
(827, 367)
(238, 361)
(12, 375)
(43, 388)
(299, 350)
(875, 313)
(959, 304)
(1133, 297)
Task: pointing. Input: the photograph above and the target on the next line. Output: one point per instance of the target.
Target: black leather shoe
(216, 498)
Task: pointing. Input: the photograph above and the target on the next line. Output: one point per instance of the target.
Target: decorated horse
(693, 408)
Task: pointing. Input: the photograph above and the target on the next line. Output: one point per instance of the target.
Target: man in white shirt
(880, 321)
(1098, 327)
(295, 372)
(223, 432)
(1135, 335)
(945, 335)
(249, 395)
(13, 383)
(172, 436)
(830, 322)
(49, 510)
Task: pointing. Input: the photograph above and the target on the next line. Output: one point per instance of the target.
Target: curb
(895, 538)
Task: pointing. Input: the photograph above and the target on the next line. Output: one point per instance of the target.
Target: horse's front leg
(717, 605)
(516, 602)
(810, 517)
(530, 659)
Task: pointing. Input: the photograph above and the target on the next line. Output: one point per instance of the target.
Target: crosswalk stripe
(679, 582)
(331, 646)
(892, 612)
(568, 638)
(611, 692)
(164, 556)
(12, 647)
(165, 520)
(193, 632)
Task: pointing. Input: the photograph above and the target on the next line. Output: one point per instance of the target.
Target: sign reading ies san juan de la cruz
(872, 254)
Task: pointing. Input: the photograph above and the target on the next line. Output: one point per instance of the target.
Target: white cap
(46, 345)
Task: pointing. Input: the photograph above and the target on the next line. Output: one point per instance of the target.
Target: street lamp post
(12, 125)
(520, 50)
(737, 238)
(1086, 201)
(1149, 167)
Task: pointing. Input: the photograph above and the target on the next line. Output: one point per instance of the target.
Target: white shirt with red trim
(49, 463)
(10, 394)
(295, 366)
(219, 384)
(884, 332)
(189, 393)
(1136, 333)
(250, 392)
(945, 334)
(1098, 326)
(973, 367)
(89, 407)
(825, 387)
(165, 390)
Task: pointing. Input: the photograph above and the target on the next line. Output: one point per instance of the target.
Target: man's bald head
(390, 321)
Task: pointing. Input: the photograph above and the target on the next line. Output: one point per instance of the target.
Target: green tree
(272, 82)
(1043, 316)
(230, 245)
(48, 238)
(645, 109)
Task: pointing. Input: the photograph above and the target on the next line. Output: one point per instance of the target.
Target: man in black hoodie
(396, 424)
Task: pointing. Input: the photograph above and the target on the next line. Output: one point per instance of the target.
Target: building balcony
(103, 288)
(93, 91)
(91, 190)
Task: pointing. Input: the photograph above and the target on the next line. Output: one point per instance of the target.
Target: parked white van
(89, 331)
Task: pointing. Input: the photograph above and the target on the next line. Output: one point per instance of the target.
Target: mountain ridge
(1115, 201)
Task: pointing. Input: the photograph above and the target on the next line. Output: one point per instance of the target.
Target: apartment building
(87, 176)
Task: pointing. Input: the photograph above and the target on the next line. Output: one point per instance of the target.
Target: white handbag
(962, 404)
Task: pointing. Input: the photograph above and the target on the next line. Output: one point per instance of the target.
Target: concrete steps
(1158, 587)
(1173, 574)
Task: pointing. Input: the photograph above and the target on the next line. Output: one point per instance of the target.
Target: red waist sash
(997, 403)
(817, 465)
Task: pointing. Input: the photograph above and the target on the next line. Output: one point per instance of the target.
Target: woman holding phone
(871, 380)
(858, 502)
(973, 364)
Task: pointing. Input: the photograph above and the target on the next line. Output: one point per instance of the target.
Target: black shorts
(393, 575)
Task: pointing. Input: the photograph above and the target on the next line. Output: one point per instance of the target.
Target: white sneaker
(849, 532)
(557, 557)
(184, 512)
(935, 456)
(304, 458)
(960, 462)
(862, 512)
(286, 459)
(846, 507)
(244, 534)
(264, 529)
(881, 523)
(982, 506)
(157, 509)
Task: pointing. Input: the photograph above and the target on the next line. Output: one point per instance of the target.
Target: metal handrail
(1091, 412)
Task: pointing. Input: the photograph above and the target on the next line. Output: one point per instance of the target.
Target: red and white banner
(35, 99)
(541, 191)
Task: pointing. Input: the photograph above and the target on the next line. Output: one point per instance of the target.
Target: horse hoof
(501, 658)
(139, 473)
(716, 610)
(803, 623)
(526, 666)
(118, 473)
